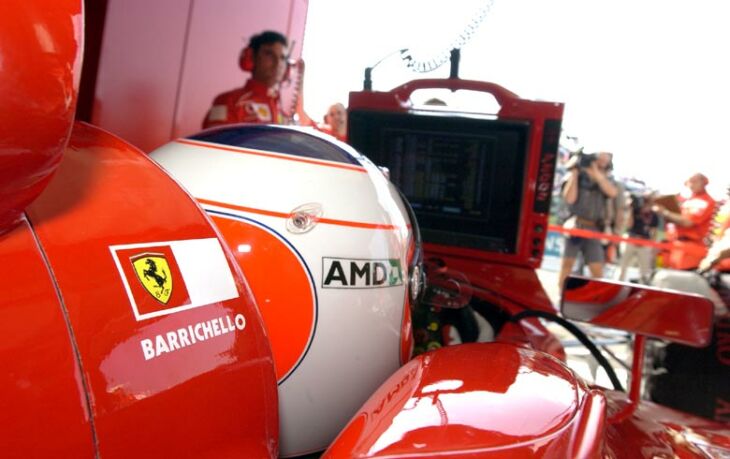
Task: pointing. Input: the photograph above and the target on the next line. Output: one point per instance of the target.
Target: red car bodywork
(508, 398)
(76, 380)
(498, 400)
(433, 406)
(79, 380)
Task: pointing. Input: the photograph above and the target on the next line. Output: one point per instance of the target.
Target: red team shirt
(699, 209)
(690, 247)
(724, 233)
(253, 103)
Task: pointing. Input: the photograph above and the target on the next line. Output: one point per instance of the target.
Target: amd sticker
(361, 273)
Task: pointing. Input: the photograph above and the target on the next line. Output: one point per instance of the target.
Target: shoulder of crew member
(218, 113)
(224, 97)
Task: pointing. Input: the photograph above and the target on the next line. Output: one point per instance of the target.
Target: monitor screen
(463, 175)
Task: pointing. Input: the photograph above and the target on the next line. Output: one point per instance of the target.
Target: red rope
(608, 237)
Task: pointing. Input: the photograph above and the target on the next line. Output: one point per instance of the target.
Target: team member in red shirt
(335, 122)
(718, 256)
(258, 101)
(691, 225)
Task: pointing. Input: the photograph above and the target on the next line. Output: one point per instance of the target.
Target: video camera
(581, 160)
(586, 159)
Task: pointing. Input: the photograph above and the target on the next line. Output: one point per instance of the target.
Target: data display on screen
(462, 175)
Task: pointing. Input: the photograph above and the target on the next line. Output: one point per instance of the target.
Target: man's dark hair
(265, 38)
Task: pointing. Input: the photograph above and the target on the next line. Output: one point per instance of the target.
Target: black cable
(367, 84)
(578, 333)
(615, 357)
(575, 331)
(455, 57)
(436, 61)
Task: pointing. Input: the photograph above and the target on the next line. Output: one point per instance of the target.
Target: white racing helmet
(324, 241)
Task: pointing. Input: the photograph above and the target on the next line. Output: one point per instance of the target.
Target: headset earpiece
(245, 60)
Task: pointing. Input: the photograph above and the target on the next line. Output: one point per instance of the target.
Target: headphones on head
(245, 60)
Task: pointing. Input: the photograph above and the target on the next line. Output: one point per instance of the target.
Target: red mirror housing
(40, 52)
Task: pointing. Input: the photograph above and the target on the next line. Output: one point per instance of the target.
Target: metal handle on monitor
(502, 95)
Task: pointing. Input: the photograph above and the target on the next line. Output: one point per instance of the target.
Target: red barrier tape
(608, 237)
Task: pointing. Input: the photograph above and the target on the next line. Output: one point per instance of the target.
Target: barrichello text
(361, 273)
(183, 337)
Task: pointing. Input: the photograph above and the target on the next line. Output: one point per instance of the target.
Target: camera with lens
(586, 159)
(581, 160)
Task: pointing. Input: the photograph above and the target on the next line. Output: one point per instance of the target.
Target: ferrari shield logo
(162, 278)
(153, 272)
(262, 111)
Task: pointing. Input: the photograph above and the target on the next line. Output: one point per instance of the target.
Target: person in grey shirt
(586, 191)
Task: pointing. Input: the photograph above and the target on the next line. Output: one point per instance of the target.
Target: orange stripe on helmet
(289, 314)
(271, 213)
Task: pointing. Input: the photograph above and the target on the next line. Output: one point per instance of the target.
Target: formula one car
(463, 175)
(139, 324)
(131, 329)
(502, 400)
(128, 329)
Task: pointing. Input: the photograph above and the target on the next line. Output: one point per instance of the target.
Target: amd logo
(361, 273)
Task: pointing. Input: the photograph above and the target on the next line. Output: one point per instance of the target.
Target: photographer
(586, 191)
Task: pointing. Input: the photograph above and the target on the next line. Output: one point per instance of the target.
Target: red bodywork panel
(99, 390)
(517, 286)
(43, 406)
(649, 312)
(501, 401)
(187, 401)
(656, 431)
(511, 402)
(35, 66)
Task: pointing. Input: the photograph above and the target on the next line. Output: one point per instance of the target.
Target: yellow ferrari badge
(154, 273)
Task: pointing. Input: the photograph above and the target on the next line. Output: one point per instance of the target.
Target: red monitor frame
(544, 119)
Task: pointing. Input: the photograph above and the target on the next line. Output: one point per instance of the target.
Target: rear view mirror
(666, 314)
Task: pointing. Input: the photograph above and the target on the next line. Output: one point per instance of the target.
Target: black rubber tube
(578, 333)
